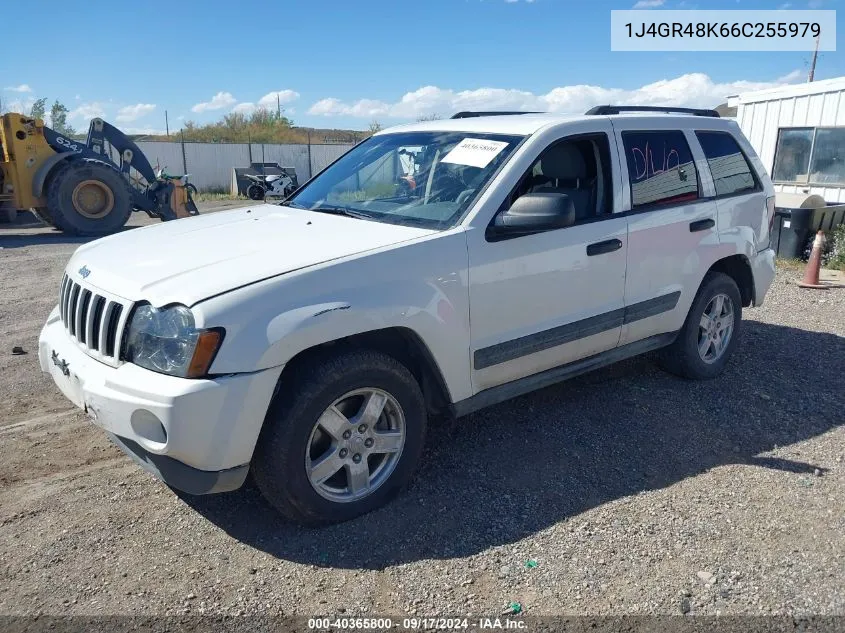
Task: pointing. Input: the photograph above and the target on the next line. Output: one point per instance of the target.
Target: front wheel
(341, 439)
(711, 332)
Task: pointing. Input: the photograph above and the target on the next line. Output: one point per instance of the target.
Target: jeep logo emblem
(84, 272)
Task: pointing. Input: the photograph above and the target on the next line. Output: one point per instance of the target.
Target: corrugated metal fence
(210, 164)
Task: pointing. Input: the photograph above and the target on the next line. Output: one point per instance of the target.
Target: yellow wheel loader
(83, 188)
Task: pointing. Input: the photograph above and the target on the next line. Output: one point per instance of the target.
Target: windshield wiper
(344, 211)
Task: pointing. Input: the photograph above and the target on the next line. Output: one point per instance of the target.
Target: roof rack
(468, 114)
(612, 109)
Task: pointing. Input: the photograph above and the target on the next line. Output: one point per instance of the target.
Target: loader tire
(88, 198)
(8, 215)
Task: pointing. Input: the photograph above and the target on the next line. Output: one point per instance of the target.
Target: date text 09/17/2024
(416, 624)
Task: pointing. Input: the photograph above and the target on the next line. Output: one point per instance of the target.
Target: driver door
(543, 300)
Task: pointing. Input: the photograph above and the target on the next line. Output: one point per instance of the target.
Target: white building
(799, 133)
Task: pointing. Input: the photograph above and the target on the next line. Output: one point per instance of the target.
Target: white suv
(440, 266)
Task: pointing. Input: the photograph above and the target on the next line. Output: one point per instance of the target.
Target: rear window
(730, 169)
(660, 168)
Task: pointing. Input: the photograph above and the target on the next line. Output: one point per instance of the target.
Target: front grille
(93, 319)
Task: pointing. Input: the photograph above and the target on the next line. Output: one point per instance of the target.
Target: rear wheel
(88, 198)
(710, 333)
(255, 192)
(342, 439)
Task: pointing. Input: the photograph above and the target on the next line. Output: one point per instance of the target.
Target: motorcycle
(274, 186)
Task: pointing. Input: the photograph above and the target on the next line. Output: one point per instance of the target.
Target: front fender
(270, 322)
(39, 180)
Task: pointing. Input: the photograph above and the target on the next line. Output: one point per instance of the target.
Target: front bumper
(763, 271)
(197, 435)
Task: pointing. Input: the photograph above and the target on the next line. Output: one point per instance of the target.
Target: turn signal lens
(208, 343)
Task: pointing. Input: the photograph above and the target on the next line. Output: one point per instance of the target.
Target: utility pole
(166, 124)
(279, 106)
(813, 63)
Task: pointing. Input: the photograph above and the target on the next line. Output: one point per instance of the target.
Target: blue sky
(338, 63)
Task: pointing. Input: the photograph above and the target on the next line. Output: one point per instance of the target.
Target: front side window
(578, 167)
(660, 168)
(792, 157)
(828, 163)
(426, 179)
(730, 170)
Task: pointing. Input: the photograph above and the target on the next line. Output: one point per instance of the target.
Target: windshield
(424, 179)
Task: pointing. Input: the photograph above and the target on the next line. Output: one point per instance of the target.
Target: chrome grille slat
(74, 309)
(104, 325)
(94, 319)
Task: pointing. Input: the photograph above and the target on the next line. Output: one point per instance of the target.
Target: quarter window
(660, 168)
(730, 170)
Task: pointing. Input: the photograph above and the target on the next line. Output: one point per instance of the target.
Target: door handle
(608, 246)
(701, 225)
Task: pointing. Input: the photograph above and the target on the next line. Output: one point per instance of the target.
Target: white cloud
(23, 106)
(218, 102)
(690, 90)
(794, 77)
(247, 107)
(135, 112)
(284, 96)
(20, 88)
(649, 4)
(150, 131)
(87, 111)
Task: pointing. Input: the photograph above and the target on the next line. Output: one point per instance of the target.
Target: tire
(111, 204)
(683, 357)
(255, 192)
(291, 433)
(191, 188)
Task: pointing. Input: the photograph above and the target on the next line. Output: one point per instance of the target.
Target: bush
(836, 240)
(833, 252)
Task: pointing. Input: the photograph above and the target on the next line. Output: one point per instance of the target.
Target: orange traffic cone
(811, 273)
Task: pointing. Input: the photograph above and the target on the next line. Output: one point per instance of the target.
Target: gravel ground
(626, 491)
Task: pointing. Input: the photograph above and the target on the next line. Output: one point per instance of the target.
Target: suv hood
(191, 259)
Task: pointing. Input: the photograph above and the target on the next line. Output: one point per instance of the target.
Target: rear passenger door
(671, 218)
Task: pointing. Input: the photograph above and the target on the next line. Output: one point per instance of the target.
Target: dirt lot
(632, 491)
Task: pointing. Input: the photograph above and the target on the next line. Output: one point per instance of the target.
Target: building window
(810, 156)
(660, 168)
(730, 170)
(828, 164)
(792, 156)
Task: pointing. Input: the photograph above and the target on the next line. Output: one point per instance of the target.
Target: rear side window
(660, 168)
(730, 169)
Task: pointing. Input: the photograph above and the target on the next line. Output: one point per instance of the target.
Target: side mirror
(533, 213)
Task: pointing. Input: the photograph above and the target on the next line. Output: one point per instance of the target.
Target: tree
(375, 126)
(58, 119)
(429, 117)
(38, 109)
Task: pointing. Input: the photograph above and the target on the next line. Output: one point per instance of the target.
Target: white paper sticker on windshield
(474, 152)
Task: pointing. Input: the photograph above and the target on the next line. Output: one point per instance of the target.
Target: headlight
(167, 341)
